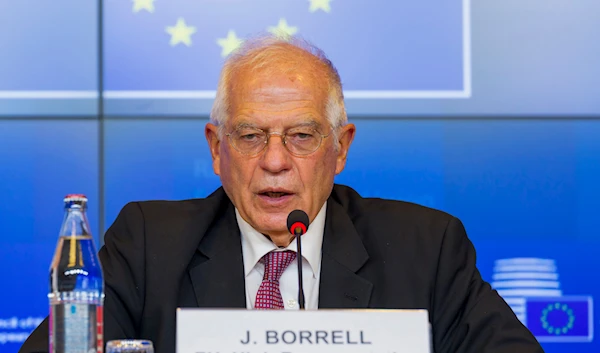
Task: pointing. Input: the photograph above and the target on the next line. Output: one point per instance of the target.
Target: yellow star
(229, 44)
(283, 30)
(139, 5)
(319, 5)
(181, 33)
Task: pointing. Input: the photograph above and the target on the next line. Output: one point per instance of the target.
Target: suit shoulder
(172, 211)
(169, 207)
(389, 212)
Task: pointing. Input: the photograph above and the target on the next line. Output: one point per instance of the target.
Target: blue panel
(41, 162)
(431, 54)
(401, 160)
(49, 61)
(423, 54)
(426, 37)
(513, 179)
(155, 160)
(587, 137)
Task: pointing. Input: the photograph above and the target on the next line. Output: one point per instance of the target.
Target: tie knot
(276, 262)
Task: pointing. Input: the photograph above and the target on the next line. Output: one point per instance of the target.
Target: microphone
(297, 224)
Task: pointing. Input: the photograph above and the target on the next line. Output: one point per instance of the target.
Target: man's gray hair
(275, 54)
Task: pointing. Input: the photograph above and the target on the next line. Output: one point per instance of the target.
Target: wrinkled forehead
(295, 75)
(278, 90)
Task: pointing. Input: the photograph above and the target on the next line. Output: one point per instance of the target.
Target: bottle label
(75, 328)
(51, 329)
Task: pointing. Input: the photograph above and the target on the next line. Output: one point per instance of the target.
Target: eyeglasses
(299, 141)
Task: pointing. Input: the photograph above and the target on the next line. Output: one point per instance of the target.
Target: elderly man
(278, 136)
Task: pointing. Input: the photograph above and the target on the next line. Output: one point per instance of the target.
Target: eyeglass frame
(283, 136)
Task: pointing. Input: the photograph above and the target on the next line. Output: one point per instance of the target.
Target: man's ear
(212, 137)
(345, 137)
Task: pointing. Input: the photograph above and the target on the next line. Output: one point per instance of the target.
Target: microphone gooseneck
(297, 224)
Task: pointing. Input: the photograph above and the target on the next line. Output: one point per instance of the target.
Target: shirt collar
(255, 245)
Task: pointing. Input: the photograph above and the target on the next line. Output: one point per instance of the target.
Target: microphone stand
(300, 278)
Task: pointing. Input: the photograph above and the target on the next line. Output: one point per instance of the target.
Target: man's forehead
(277, 84)
(267, 90)
(291, 72)
(282, 98)
(277, 93)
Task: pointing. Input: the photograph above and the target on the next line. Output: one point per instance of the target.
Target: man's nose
(276, 157)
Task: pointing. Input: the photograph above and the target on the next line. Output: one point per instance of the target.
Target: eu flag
(179, 45)
(560, 319)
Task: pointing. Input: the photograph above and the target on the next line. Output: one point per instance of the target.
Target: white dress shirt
(255, 245)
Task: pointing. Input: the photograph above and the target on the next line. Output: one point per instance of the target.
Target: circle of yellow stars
(181, 32)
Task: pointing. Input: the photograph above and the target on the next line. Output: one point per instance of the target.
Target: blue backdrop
(488, 111)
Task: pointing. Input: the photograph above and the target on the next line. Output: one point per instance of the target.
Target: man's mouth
(275, 194)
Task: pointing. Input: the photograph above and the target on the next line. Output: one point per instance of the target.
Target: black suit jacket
(160, 255)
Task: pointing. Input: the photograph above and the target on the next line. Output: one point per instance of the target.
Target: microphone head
(297, 222)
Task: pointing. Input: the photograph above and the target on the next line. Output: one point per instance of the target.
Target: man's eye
(301, 136)
(249, 137)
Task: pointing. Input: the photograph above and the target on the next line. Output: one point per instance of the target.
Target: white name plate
(311, 331)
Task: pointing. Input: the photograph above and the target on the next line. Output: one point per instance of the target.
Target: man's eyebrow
(246, 126)
(308, 123)
(305, 123)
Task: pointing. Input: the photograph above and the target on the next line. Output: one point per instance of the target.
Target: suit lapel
(343, 255)
(217, 270)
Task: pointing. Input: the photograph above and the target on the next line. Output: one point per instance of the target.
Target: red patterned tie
(269, 295)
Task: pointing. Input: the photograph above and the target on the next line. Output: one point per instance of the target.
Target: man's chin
(272, 219)
(274, 224)
(273, 228)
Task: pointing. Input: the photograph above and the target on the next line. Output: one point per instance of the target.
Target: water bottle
(76, 293)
